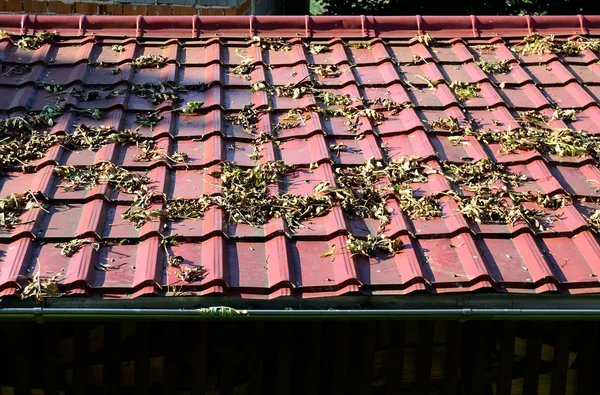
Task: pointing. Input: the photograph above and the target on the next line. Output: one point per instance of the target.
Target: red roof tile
(449, 253)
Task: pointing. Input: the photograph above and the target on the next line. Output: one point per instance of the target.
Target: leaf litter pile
(256, 195)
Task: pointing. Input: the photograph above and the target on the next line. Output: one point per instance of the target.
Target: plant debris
(484, 48)
(464, 90)
(151, 152)
(496, 208)
(247, 118)
(564, 115)
(86, 95)
(391, 105)
(88, 137)
(424, 207)
(38, 288)
(149, 62)
(158, 92)
(17, 69)
(534, 135)
(451, 124)
(360, 45)
(326, 70)
(245, 67)
(53, 88)
(274, 44)
(317, 49)
(181, 208)
(191, 274)
(149, 119)
(594, 221)
(71, 247)
(35, 42)
(427, 40)
(93, 113)
(117, 48)
(15, 204)
(245, 193)
(373, 244)
(491, 67)
(537, 44)
(192, 108)
(482, 174)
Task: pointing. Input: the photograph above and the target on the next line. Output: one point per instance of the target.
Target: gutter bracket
(38, 315)
(465, 315)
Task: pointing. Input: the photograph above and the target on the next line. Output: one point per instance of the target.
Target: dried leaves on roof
(35, 42)
(247, 118)
(151, 152)
(69, 248)
(15, 204)
(245, 67)
(427, 40)
(537, 44)
(451, 124)
(159, 92)
(562, 142)
(274, 44)
(316, 49)
(464, 90)
(482, 174)
(373, 244)
(360, 45)
(39, 288)
(593, 221)
(492, 67)
(501, 209)
(149, 62)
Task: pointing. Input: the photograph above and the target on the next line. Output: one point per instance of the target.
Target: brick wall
(148, 7)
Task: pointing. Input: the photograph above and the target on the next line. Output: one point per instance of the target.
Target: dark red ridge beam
(301, 26)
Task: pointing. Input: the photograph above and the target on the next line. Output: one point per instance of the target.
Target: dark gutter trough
(43, 314)
(449, 307)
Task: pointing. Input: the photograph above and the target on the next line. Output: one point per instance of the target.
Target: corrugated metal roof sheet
(451, 253)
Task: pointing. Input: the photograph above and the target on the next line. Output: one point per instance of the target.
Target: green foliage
(458, 7)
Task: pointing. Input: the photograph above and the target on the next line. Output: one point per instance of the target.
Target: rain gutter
(449, 307)
(44, 314)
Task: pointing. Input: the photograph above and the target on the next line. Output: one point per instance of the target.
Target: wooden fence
(358, 357)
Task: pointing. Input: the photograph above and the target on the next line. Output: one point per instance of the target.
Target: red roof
(451, 253)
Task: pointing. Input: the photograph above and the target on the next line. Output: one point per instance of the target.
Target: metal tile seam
(302, 26)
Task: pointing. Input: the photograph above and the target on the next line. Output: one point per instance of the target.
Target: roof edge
(303, 26)
(44, 314)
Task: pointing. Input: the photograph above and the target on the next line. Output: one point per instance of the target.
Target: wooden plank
(81, 364)
(424, 357)
(111, 377)
(395, 358)
(227, 340)
(507, 353)
(171, 361)
(256, 359)
(312, 354)
(534, 354)
(3, 351)
(480, 356)
(452, 358)
(588, 359)
(200, 355)
(367, 359)
(339, 384)
(51, 369)
(561, 360)
(22, 355)
(284, 354)
(142, 358)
